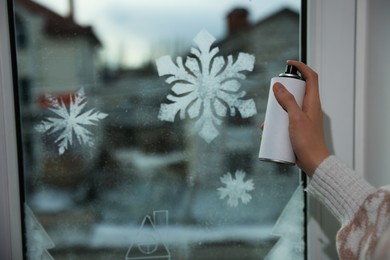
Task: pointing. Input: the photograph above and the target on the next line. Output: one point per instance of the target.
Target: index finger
(309, 74)
(312, 99)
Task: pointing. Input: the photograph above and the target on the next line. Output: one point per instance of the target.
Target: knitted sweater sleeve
(363, 211)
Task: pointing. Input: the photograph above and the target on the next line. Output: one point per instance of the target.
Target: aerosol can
(275, 143)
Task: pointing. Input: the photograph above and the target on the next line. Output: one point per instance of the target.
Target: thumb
(285, 98)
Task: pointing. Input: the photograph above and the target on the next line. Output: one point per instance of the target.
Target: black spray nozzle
(290, 69)
(291, 72)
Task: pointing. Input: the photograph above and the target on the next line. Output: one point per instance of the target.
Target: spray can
(275, 144)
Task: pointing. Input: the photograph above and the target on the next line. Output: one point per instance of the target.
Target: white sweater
(363, 211)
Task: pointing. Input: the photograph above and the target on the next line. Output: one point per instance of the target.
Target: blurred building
(55, 56)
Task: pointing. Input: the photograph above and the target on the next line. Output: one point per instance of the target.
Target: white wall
(374, 104)
(349, 46)
(331, 52)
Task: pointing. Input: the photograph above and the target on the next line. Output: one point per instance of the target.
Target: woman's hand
(305, 125)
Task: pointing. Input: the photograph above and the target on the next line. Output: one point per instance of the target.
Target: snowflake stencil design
(236, 189)
(206, 87)
(70, 121)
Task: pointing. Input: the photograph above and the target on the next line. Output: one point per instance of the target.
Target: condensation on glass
(140, 130)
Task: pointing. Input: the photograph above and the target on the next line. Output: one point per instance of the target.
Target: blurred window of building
(21, 33)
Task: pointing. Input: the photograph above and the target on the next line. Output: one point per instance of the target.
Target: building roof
(247, 28)
(57, 25)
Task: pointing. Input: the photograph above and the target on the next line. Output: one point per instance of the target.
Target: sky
(134, 32)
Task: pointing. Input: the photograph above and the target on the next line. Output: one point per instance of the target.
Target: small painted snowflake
(70, 121)
(206, 87)
(236, 189)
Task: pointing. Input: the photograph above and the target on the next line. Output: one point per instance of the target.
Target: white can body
(275, 143)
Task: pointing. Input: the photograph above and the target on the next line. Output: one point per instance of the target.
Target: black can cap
(291, 72)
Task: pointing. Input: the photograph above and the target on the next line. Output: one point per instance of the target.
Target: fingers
(285, 98)
(309, 74)
(312, 96)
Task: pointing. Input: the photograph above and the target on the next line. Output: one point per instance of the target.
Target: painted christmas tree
(38, 241)
(289, 229)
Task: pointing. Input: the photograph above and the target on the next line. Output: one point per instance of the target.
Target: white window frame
(336, 32)
(331, 51)
(10, 224)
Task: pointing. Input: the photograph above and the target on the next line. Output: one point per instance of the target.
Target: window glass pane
(140, 128)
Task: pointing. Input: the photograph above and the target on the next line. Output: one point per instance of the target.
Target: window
(25, 88)
(124, 159)
(21, 34)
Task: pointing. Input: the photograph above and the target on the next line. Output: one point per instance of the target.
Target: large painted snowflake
(206, 87)
(70, 121)
(235, 189)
